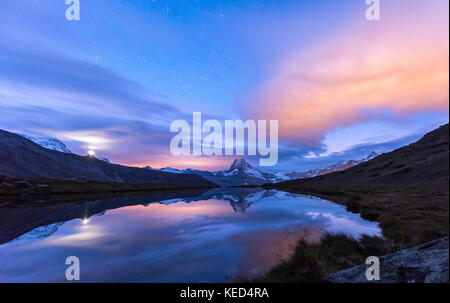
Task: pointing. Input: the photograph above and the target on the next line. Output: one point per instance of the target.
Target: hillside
(406, 190)
(242, 173)
(421, 167)
(22, 158)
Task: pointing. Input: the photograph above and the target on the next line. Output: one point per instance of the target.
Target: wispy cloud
(336, 73)
(398, 66)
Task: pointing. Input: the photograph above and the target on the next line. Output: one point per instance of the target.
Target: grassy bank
(405, 219)
(406, 190)
(16, 190)
(311, 262)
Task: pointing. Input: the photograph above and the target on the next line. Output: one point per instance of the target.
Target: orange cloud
(399, 63)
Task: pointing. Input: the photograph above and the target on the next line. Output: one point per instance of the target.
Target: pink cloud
(399, 63)
(211, 163)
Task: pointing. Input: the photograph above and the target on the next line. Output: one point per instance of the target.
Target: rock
(426, 263)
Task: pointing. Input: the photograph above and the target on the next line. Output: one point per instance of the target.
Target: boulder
(426, 263)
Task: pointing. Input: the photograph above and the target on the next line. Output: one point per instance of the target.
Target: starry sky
(339, 85)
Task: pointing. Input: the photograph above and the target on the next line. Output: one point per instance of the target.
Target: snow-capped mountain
(243, 173)
(240, 173)
(172, 170)
(243, 167)
(55, 144)
(49, 143)
(104, 159)
(342, 165)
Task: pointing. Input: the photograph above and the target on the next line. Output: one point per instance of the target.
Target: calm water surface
(202, 237)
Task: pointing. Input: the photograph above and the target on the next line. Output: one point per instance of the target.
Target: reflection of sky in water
(200, 241)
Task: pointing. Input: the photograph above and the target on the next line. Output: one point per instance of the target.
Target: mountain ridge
(406, 190)
(422, 165)
(49, 143)
(23, 158)
(242, 173)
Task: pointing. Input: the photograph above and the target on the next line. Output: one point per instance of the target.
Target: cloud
(48, 93)
(48, 86)
(398, 66)
(74, 83)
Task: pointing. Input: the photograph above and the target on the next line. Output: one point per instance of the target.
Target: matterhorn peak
(240, 164)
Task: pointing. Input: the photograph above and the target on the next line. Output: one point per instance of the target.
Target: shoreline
(22, 190)
(407, 219)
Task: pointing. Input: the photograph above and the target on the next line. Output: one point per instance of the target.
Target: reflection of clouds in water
(262, 250)
(180, 242)
(346, 225)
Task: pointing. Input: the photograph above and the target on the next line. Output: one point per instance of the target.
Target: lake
(194, 236)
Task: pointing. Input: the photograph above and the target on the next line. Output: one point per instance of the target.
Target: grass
(311, 262)
(406, 220)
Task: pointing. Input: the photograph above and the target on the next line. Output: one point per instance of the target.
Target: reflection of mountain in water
(240, 199)
(34, 222)
(41, 232)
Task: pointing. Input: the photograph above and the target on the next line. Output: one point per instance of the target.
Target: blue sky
(116, 79)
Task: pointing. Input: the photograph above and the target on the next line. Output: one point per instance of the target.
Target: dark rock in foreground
(426, 263)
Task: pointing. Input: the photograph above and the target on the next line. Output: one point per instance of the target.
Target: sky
(113, 82)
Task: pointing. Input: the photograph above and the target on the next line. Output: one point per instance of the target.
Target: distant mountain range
(22, 158)
(342, 165)
(240, 173)
(243, 173)
(421, 168)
